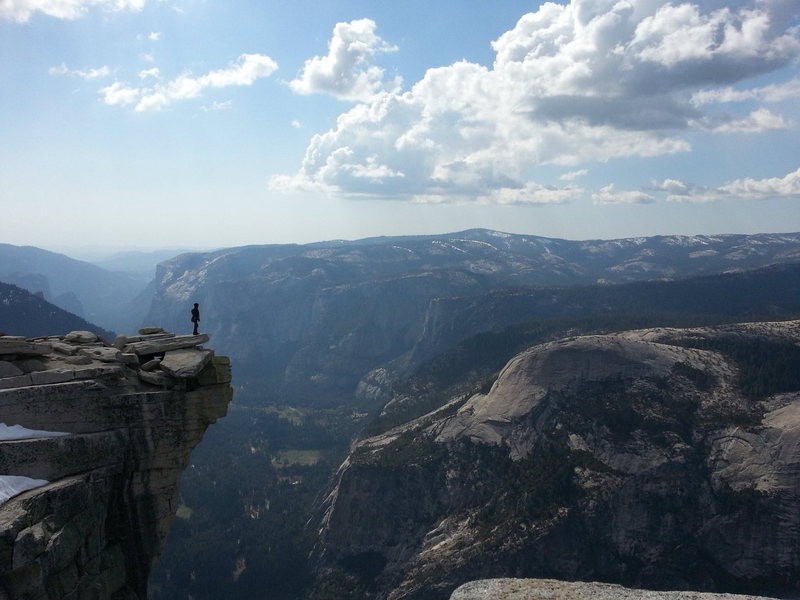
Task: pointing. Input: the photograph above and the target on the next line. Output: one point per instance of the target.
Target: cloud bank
(245, 71)
(587, 81)
(676, 190)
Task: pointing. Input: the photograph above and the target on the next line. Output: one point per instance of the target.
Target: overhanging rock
(107, 490)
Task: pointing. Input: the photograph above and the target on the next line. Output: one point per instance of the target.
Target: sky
(211, 123)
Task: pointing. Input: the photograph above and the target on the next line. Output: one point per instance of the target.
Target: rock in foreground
(550, 589)
(103, 444)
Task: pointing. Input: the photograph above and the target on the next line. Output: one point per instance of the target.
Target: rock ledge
(106, 490)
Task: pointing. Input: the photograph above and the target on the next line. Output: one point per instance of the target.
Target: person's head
(196, 305)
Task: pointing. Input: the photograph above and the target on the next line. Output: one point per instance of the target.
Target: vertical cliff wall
(104, 494)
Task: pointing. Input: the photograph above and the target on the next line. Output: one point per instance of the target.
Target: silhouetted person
(195, 317)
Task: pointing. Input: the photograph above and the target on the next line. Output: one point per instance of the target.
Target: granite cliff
(93, 441)
(658, 458)
(306, 323)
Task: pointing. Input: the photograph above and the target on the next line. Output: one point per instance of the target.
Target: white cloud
(22, 10)
(248, 69)
(572, 175)
(761, 189)
(747, 188)
(345, 72)
(118, 94)
(296, 124)
(609, 195)
(146, 73)
(676, 190)
(154, 36)
(770, 93)
(587, 81)
(756, 122)
(87, 74)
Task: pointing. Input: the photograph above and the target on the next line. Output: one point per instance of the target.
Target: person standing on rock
(195, 317)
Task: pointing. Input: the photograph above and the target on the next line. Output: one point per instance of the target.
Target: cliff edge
(93, 439)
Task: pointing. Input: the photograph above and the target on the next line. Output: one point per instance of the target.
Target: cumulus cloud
(747, 188)
(587, 81)
(87, 74)
(248, 69)
(759, 120)
(22, 10)
(787, 186)
(609, 195)
(676, 190)
(146, 73)
(345, 72)
(119, 94)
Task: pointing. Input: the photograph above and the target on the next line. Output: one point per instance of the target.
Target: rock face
(308, 322)
(548, 589)
(96, 523)
(660, 458)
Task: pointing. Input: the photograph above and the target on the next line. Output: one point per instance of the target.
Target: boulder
(166, 344)
(63, 348)
(150, 330)
(80, 337)
(102, 353)
(151, 365)
(186, 362)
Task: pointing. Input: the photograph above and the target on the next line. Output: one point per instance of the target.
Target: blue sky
(204, 123)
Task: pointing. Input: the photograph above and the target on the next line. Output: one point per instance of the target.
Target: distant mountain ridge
(104, 297)
(309, 321)
(24, 313)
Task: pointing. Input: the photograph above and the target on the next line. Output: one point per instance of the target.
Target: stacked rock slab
(94, 530)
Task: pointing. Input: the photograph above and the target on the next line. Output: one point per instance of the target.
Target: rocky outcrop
(549, 589)
(659, 458)
(103, 442)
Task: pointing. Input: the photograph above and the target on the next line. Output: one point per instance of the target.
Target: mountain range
(306, 323)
